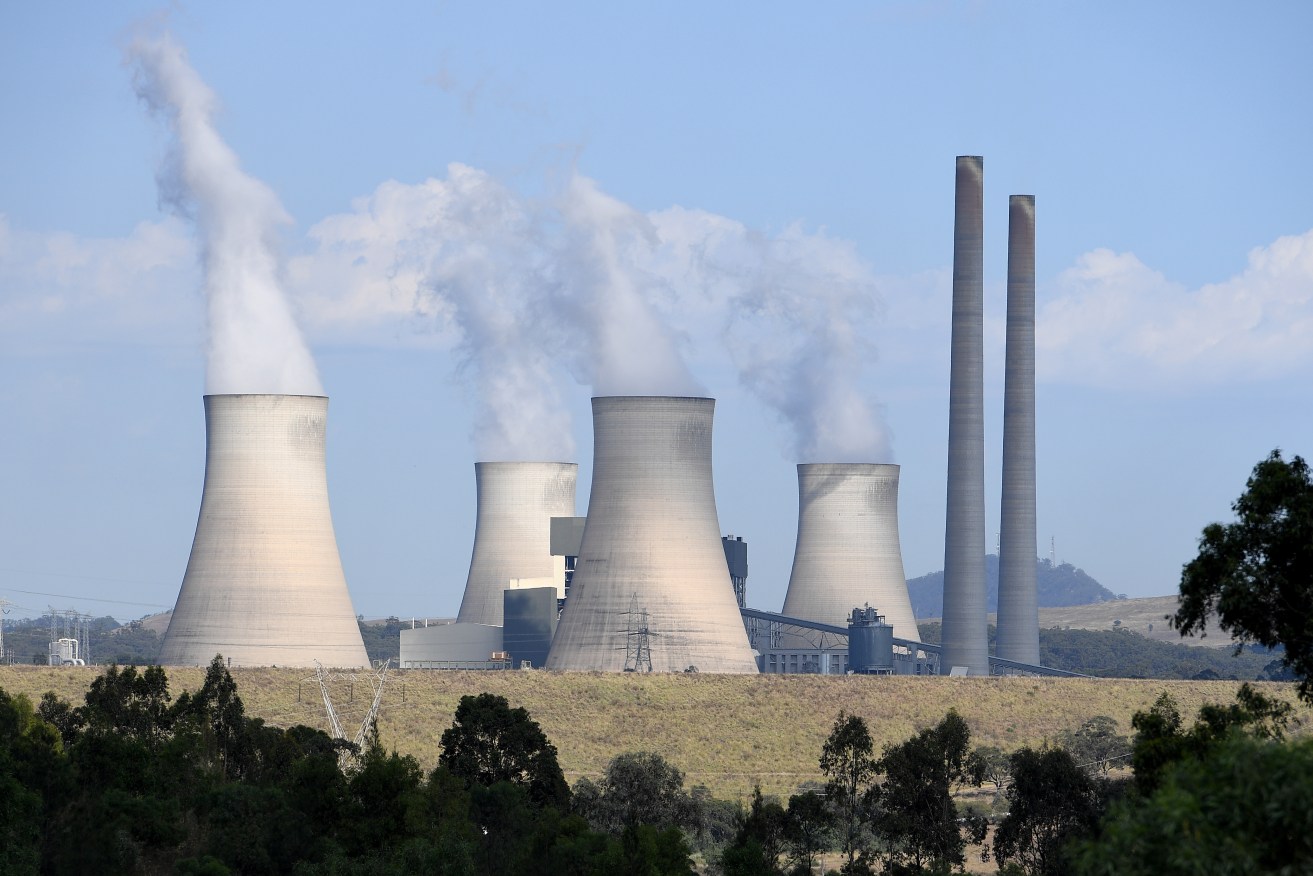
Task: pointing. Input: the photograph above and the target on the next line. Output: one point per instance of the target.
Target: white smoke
(616, 295)
(798, 311)
(610, 292)
(254, 343)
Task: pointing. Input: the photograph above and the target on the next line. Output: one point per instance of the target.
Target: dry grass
(726, 732)
(1136, 615)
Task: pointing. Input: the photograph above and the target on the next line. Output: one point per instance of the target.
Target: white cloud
(1115, 322)
(58, 288)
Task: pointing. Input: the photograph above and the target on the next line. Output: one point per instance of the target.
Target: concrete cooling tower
(848, 554)
(513, 531)
(651, 589)
(1018, 598)
(965, 630)
(264, 584)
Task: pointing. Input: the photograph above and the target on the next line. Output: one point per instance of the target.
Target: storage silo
(264, 583)
(513, 532)
(651, 589)
(848, 554)
(965, 627)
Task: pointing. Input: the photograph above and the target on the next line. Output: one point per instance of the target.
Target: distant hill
(1124, 653)
(1059, 585)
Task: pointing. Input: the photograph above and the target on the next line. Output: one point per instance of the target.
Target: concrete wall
(848, 553)
(512, 534)
(264, 583)
(652, 540)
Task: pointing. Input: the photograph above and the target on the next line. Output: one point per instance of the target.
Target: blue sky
(1166, 145)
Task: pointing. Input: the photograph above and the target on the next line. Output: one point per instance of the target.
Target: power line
(84, 598)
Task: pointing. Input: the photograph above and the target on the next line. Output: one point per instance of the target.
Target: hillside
(1058, 585)
(726, 732)
(1123, 653)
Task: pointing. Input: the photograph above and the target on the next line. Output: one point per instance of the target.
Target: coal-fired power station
(848, 554)
(965, 628)
(513, 532)
(264, 583)
(651, 590)
(1018, 606)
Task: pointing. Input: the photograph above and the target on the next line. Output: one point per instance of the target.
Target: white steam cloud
(797, 309)
(254, 343)
(615, 295)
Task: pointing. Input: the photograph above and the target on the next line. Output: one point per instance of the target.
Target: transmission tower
(638, 650)
(347, 759)
(4, 610)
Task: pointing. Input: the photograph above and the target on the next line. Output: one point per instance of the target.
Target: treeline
(1127, 654)
(134, 781)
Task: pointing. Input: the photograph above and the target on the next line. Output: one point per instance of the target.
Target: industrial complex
(646, 582)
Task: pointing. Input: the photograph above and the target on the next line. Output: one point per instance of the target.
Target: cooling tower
(264, 584)
(848, 554)
(513, 531)
(651, 587)
(1018, 598)
(965, 629)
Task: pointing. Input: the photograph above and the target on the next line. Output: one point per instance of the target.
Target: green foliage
(1161, 740)
(639, 787)
(132, 782)
(1053, 801)
(1243, 808)
(914, 813)
(490, 742)
(383, 640)
(808, 829)
(1257, 573)
(1097, 745)
(995, 765)
(850, 767)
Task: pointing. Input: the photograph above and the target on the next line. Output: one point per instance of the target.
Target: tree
(1161, 741)
(1097, 743)
(1257, 573)
(490, 742)
(807, 829)
(914, 814)
(755, 849)
(996, 766)
(1243, 808)
(1052, 800)
(850, 769)
(639, 787)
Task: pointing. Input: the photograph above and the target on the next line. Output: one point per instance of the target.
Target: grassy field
(726, 732)
(1145, 616)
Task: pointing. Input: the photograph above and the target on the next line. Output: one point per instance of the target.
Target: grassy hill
(725, 732)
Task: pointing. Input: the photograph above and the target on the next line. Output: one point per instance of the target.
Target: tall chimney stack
(965, 629)
(1018, 602)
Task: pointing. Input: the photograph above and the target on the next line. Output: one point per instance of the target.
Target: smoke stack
(651, 588)
(965, 629)
(1018, 599)
(848, 553)
(513, 531)
(264, 584)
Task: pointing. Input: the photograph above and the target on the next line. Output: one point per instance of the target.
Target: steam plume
(254, 343)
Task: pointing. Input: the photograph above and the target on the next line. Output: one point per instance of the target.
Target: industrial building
(651, 590)
(513, 533)
(264, 583)
(848, 553)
